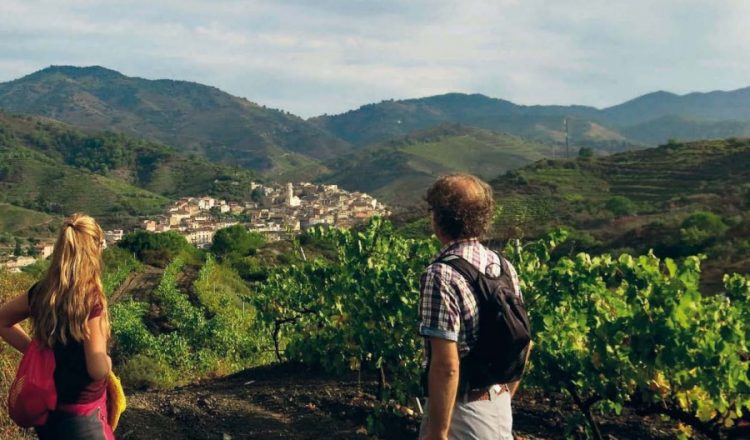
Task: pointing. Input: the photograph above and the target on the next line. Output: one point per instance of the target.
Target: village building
(43, 250)
(113, 236)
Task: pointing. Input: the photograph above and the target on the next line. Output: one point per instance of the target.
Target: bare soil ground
(286, 401)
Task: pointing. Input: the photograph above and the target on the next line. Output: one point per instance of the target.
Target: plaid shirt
(447, 306)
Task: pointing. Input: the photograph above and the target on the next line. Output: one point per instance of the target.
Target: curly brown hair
(461, 205)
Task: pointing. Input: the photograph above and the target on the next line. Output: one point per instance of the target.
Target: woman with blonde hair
(68, 311)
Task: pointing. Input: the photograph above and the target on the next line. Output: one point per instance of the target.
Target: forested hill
(391, 148)
(190, 116)
(650, 119)
(54, 168)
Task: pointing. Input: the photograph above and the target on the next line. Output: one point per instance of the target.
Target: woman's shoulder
(96, 311)
(32, 290)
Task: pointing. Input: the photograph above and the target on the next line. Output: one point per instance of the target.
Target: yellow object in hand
(116, 402)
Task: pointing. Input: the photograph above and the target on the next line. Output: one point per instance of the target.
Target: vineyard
(613, 335)
(610, 332)
(205, 333)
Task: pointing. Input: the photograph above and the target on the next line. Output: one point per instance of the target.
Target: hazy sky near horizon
(329, 56)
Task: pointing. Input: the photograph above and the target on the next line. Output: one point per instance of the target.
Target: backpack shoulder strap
(466, 269)
(509, 271)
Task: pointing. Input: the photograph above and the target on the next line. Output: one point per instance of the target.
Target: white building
(291, 200)
(200, 238)
(114, 236)
(206, 203)
(149, 225)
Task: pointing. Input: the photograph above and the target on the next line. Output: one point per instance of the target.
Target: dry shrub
(143, 372)
(11, 284)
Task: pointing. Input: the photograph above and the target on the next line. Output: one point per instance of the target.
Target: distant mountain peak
(659, 95)
(77, 71)
(460, 98)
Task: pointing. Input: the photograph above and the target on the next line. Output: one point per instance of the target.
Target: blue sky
(326, 56)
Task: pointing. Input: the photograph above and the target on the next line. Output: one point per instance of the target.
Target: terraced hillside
(678, 170)
(400, 171)
(677, 199)
(653, 177)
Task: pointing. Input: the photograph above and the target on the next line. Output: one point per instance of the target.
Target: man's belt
(476, 395)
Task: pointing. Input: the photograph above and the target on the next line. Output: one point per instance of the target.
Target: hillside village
(276, 211)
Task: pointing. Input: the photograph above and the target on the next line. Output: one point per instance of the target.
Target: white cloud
(311, 57)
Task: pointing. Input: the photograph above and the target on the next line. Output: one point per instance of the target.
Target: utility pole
(553, 151)
(567, 146)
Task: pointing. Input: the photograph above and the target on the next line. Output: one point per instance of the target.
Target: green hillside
(20, 221)
(47, 167)
(32, 180)
(653, 178)
(377, 123)
(191, 117)
(145, 164)
(661, 130)
(400, 171)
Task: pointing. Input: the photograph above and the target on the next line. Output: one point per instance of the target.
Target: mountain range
(645, 121)
(392, 148)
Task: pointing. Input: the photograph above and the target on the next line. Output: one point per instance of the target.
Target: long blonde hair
(72, 287)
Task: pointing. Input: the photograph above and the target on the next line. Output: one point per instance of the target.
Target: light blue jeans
(481, 420)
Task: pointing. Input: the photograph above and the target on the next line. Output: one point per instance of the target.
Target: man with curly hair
(461, 207)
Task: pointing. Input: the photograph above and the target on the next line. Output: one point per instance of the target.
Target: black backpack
(499, 355)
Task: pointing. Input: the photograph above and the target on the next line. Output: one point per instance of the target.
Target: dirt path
(138, 285)
(263, 403)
